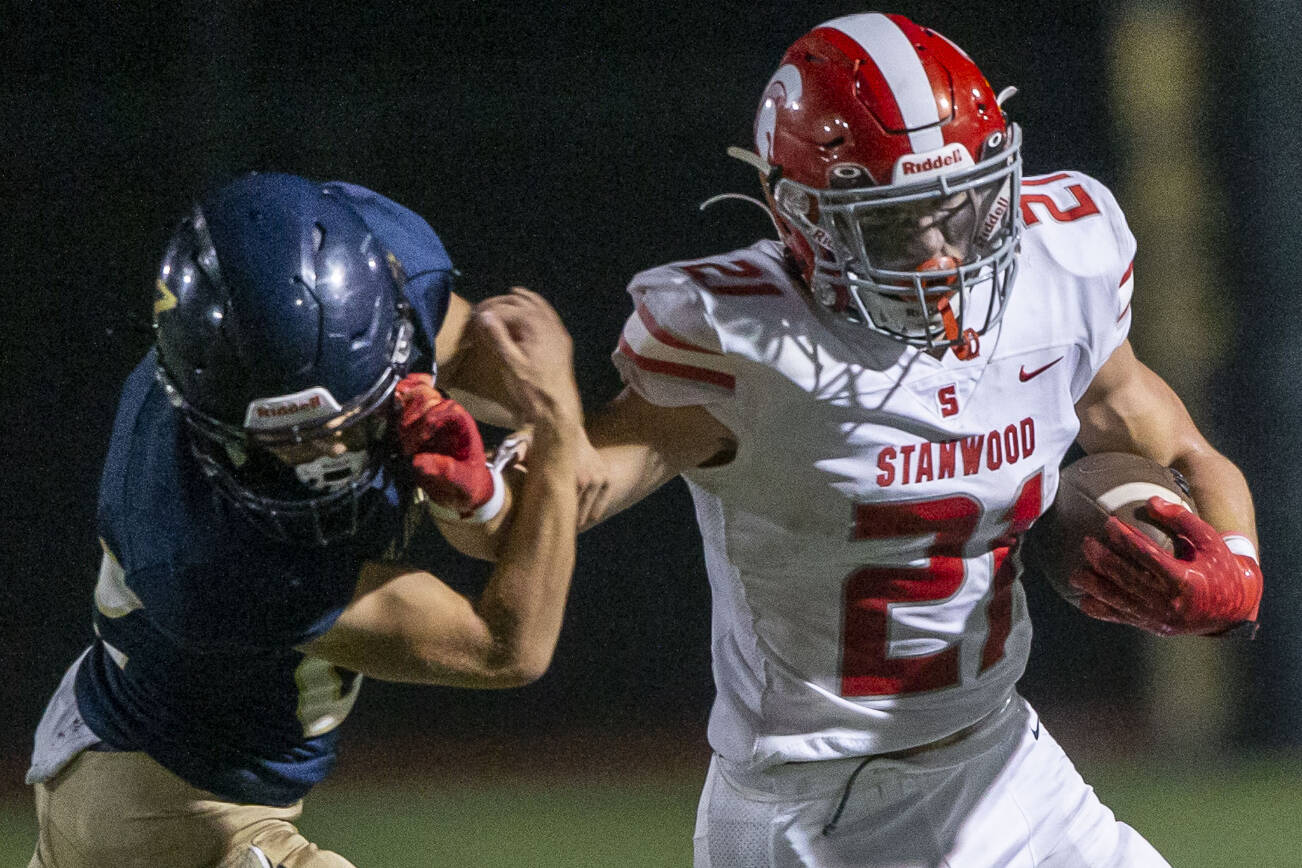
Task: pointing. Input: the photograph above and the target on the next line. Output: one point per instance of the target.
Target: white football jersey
(865, 599)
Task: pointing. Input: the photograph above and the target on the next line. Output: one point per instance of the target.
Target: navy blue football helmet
(279, 318)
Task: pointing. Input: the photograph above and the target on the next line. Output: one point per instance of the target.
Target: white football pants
(1004, 796)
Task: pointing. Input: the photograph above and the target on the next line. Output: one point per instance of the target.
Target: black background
(560, 146)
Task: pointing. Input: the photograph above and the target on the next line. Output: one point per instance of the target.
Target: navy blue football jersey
(197, 612)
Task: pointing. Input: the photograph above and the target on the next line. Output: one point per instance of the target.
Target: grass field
(1247, 815)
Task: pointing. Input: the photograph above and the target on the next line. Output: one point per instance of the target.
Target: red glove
(1202, 589)
(447, 454)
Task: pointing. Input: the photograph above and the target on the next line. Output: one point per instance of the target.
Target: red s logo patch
(948, 398)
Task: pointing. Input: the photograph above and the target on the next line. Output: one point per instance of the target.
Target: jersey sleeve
(1119, 275)
(419, 253)
(243, 605)
(212, 584)
(1086, 231)
(670, 351)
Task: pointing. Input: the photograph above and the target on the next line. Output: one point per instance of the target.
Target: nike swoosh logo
(1036, 732)
(1025, 375)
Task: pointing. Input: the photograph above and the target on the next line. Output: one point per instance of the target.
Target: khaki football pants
(124, 809)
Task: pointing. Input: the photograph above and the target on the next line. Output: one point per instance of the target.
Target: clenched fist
(534, 356)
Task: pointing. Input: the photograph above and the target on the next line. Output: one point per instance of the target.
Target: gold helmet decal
(164, 298)
(395, 268)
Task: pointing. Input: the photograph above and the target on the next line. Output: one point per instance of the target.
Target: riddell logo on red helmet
(953, 158)
(942, 161)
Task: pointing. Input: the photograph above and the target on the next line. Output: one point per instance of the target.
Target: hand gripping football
(1090, 490)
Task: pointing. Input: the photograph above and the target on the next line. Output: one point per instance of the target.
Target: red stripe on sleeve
(1130, 269)
(1047, 179)
(666, 337)
(728, 278)
(674, 369)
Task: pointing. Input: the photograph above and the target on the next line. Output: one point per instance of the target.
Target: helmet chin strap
(741, 197)
(970, 348)
(751, 159)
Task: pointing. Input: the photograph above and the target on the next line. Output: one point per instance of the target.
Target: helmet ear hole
(993, 144)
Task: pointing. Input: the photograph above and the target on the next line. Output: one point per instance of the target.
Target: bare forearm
(1219, 490)
(629, 472)
(1128, 408)
(524, 600)
(638, 447)
(405, 623)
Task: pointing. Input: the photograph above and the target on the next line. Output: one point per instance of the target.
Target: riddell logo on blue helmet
(289, 409)
(309, 405)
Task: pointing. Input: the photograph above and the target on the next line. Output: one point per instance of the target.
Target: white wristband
(1241, 545)
(485, 512)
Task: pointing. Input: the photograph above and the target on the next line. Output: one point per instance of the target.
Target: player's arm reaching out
(1213, 583)
(632, 448)
(641, 446)
(404, 624)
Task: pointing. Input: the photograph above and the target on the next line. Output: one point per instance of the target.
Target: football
(1090, 490)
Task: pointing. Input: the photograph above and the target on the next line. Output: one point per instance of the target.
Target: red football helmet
(893, 177)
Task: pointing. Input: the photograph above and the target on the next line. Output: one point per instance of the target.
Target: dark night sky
(562, 146)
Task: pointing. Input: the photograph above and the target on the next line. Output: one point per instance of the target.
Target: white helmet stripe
(899, 64)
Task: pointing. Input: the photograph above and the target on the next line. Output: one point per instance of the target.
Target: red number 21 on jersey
(867, 666)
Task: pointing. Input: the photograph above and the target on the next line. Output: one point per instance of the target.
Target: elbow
(518, 643)
(519, 669)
